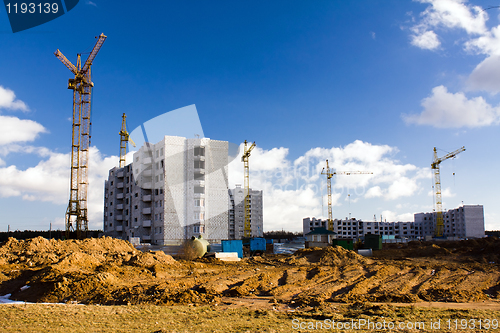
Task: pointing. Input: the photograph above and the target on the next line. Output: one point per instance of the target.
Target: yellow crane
(329, 174)
(124, 138)
(76, 213)
(437, 187)
(247, 231)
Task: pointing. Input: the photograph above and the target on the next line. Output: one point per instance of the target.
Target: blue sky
(370, 85)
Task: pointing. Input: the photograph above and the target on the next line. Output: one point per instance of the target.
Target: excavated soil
(112, 272)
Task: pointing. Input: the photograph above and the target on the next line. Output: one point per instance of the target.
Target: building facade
(463, 222)
(466, 221)
(174, 189)
(237, 213)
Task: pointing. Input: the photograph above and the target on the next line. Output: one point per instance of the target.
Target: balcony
(147, 186)
(119, 207)
(146, 198)
(119, 228)
(200, 183)
(119, 174)
(199, 158)
(146, 211)
(199, 195)
(119, 217)
(146, 237)
(119, 185)
(146, 223)
(146, 160)
(147, 173)
(119, 196)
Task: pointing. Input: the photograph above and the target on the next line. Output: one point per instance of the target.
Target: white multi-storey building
(463, 222)
(353, 228)
(466, 221)
(174, 189)
(237, 213)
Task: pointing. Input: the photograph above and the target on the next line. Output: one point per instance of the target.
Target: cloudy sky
(370, 85)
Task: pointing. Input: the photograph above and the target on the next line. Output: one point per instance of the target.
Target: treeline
(288, 235)
(54, 234)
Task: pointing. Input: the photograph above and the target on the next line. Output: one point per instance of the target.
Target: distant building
(463, 222)
(466, 221)
(237, 213)
(174, 189)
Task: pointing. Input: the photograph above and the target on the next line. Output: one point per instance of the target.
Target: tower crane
(246, 154)
(329, 174)
(437, 187)
(124, 138)
(76, 213)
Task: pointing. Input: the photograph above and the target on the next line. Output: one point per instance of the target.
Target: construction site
(441, 273)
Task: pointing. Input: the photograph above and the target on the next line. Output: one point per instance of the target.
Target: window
(201, 203)
(161, 191)
(137, 159)
(199, 164)
(111, 203)
(136, 194)
(126, 211)
(160, 216)
(157, 165)
(196, 228)
(160, 203)
(161, 164)
(135, 219)
(111, 183)
(111, 193)
(156, 178)
(156, 204)
(135, 207)
(161, 151)
(110, 214)
(156, 217)
(199, 189)
(157, 154)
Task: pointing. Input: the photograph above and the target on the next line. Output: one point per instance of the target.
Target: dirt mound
(331, 256)
(111, 271)
(90, 270)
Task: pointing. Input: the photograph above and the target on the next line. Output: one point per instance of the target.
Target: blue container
(233, 246)
(257, 244)
(269, 241)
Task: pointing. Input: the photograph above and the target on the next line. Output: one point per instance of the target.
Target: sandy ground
(459, 276)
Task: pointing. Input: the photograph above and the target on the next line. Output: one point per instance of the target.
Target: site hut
(319, 237)
(237, 213)
(172, 190)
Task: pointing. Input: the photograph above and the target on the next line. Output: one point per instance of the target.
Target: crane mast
(439, 231)
(124, 138)
(329, 174)
(76, 213)
(247, 231)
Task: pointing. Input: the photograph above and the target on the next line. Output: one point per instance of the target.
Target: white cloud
(391, 216)
(447, 110)
(8, 100)
(454, 14)
(49, 180)
(486, 75)
(425, 40)
(293, 190)
(13, 129)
